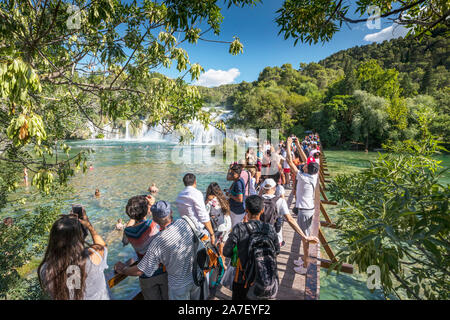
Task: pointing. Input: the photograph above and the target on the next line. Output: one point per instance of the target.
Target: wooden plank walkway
(293, 286)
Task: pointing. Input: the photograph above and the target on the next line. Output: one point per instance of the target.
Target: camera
(78, 210)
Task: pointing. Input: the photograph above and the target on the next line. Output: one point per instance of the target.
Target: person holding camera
(306, 178)
(72, 270)
(276, 210)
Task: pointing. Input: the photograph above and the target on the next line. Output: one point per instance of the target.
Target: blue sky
(258, 31)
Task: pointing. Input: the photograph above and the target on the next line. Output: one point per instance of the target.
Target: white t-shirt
(284, 155)
(305, 191)
(252, 186)
(282, 207)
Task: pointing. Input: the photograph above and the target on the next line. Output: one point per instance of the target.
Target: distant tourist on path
(190, 202)
(25, 176)
(174, 248)
(67, 256)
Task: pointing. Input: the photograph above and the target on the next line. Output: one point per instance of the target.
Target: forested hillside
(364, 96)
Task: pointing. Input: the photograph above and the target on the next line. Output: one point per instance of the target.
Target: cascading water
(201, 135)
(127, 130)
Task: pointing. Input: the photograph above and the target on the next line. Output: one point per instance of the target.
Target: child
(252, 185)
(153, 189)
(139, 232)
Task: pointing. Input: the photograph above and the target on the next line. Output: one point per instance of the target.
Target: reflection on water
(125, 169)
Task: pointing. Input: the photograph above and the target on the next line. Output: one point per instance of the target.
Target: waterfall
(127, 130)
(201, 135)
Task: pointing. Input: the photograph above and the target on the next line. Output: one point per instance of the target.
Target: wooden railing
(312, 281)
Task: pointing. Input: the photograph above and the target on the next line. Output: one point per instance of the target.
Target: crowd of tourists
(228, 237)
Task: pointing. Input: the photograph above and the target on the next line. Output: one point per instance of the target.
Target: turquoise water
(122, 169)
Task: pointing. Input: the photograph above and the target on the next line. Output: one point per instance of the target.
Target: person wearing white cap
(282, 210)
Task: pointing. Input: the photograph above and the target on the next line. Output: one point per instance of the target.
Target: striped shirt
(174, 248)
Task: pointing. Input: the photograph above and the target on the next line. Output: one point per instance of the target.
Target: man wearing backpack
(254, 239)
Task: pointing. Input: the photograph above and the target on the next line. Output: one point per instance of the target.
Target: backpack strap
(191, 224)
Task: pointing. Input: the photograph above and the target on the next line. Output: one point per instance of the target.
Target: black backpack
(270, 214)
(260, 272)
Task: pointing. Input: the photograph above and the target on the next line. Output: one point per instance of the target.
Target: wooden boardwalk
(293, 286)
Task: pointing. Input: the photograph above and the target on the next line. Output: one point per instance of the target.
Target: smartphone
(78, 210)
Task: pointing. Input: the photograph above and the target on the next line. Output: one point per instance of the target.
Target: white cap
(269, 184)
(242, 161)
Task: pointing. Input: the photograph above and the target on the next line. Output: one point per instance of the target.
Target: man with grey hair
(173, 247)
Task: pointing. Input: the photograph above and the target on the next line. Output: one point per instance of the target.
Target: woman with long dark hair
(219, 211)
(72, 270)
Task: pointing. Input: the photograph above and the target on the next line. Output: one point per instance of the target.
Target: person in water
(25, 176)
(119, 224)
(153, 189)
(97, 193)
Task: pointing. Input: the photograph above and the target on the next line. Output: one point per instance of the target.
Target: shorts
(236, 218)
(287, 170)
(258, 166)
(304, 220)
(155, 288)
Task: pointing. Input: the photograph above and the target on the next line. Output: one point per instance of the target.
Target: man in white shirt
(305, 194)
(190, 202)
(283, 211)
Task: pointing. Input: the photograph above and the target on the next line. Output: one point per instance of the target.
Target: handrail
(115, 278)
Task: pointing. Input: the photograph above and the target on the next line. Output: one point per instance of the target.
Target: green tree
(318, 20)
(370, 122)
(395, 215)
(62, 67)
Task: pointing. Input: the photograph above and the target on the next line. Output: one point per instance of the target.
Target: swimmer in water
(25, 176)
(153, 189)
(91, 167)
(97, 193)
(120, 225)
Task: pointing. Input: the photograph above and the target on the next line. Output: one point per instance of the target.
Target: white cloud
(391, 32)
(214, 78)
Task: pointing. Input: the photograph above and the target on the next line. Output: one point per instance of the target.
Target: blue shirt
(237, 188)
